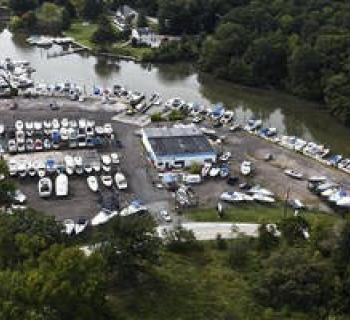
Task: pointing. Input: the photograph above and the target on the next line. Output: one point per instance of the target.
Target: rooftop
(174, 141)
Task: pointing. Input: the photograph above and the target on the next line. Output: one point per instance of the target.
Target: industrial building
(177, 147)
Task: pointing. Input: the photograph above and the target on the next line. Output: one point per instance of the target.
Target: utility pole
(286, 202)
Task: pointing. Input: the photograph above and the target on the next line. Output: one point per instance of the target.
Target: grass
(137, 52)
(257, 214)
(198, 285)
(82, 32)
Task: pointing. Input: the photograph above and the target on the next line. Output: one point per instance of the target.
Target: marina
(64, 140)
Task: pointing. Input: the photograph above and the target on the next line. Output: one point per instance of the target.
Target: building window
(179, 164)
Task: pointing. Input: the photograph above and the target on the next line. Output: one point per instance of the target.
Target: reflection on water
(288, 114)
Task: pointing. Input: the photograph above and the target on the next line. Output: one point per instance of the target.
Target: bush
(181, 240)
(239, 253)
(176, 115)
(221, 243)
(156, 117)
(195, 168)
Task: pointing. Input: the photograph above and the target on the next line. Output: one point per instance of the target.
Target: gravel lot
(141, 176)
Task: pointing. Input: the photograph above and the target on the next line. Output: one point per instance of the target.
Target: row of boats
(55, 134)
(70, 165)
(45, 41)
(255, 193)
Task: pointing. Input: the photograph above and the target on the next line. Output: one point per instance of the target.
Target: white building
(177, 147)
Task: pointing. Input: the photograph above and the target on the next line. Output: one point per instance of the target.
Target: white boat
(55, 123)
(61, 185)
(235, 197)
(40, 168)
(31, 169)
(69, 225)
(19, 125)
(246, 168)
(12, 167)
(205, 169)
(115, 158)
(88, 168)
(328, 192)
(103, 216)
(258, 190)
(22, 169)
(81, 224)
(2, 129)
(107, 181)
(106, 162)
(96, 166)
(134, 208)
(344, 202)
(92, 183)
(120, 181)
(29, 125)
(64, 123)
(214, 172)
(262, 198)
(45, 187)
(78, 161)
(38, 125)
(336, 196)
(293, 173)
(107, 129)
(82, 123)
(317, 179)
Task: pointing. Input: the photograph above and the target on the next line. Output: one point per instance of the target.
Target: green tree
(142, 20)
(7, 187)
(267, 238)
(130, 246)
(293, 229)
(105, 32)
(50, 17)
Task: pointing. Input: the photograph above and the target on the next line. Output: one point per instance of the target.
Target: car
(120, 181)
(165, 215)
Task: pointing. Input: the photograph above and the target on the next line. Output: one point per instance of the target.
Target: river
(288, 114)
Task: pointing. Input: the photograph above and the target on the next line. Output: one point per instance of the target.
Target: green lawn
(200, 286)
(130, 51)
(257, 214)
(81, 32)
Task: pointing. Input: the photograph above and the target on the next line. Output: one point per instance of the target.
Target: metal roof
(178, 141)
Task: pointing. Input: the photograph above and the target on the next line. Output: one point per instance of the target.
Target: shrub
(156, 117)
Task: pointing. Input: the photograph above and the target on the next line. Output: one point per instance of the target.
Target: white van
(192, 179)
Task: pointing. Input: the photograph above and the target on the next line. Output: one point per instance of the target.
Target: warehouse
(177, 147)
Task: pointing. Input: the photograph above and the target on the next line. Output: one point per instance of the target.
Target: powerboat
(317, 179)
(19, 125)
(31, 169)
(135, 207)
(92, 183)
(205, 169)
(64, 123)
(88, 168)
(12, 167)
(81, 225)
(29, 144)
(214, 171)
(106, 162)
(293, 174)
(69, 225)
(120, 181)
(22, 169)
(78, 165)
(107, 129)
(262, 198)
(38, 145)
(45, 187)
(107, 181)
(61, 185)
(38, 125)
(115, 158)
(235, 197)
(69, 164)
(40, 168)
(103, 216)
(55, 124)
(47, 144)
(246, 168)
(12, 146)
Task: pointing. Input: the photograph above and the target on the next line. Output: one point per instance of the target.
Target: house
(177, 147)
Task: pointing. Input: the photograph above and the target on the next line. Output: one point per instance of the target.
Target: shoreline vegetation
(300, 48)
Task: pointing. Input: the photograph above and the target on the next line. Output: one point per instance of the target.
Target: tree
(50, 17)
(24, 235)
(22, 6)
(267, 238)
(105, 32)
(239, 253)
(179, 239)
(7, 187)
(63, 283)
(292, 279)
(92, 9)
(142, 20)
(130, 247)
(293, 229)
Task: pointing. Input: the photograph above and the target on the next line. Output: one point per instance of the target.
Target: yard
(82, 32)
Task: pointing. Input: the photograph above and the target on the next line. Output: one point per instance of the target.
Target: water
(289, 115)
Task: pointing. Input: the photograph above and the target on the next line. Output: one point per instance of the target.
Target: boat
(246, 168)
(61, 185)
(55, 123)
(135, 207)
(259, 190)
(47, 144)
(40, 168)
(69, 225)
(69, 164)
(262, 198)
(120, 181)
(106, 163)
(103, 216)
(235, 196)
(64, 123)
(115, 158)
(337, 195)
(107, 181)
(12, 167)
(214, 171)
(224, 171)
(38, 125)
(328, 192)
(92, 183)
(225, 156)
(205, 169)
(344, 202)
(81, 224)
(31, 169)
(45, 187)
(293, 174)
(78, 161)
(22, 169)
(19, 125)
(325, 186)
(317, 179)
